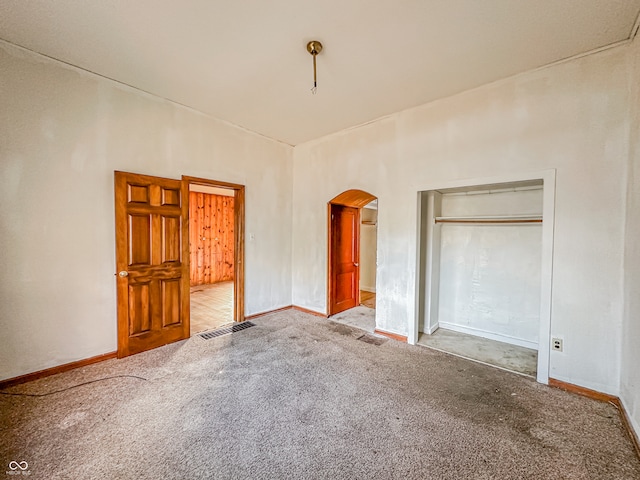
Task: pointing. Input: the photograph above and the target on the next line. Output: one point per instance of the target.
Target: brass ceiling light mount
(314, 47)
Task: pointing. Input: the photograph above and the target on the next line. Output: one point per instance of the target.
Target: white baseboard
(431, 330)
(490, 335)
(368, 289)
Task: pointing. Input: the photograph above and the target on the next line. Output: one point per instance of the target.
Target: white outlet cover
(557, 344)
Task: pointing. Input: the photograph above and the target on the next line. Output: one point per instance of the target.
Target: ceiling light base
(314, 47)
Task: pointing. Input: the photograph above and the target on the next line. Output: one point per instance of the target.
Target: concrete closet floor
(471, 347)
(211, 306)
(510, 357)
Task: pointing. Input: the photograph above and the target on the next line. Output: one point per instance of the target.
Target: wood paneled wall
(210, 238)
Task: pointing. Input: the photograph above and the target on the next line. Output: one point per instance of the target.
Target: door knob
(355, 264)
(123, 273)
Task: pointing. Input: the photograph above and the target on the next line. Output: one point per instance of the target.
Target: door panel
(171, 239)
(139, 239)
(152, 261)
(138, 193)
(171, 196)
(170, 302)
(139, 319)
(344, 287)
(344, 258)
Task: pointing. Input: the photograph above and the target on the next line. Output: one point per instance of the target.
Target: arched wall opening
(352, 253)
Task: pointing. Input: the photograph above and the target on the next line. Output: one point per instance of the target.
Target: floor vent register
(219, 332)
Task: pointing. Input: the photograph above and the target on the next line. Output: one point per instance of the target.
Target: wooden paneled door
(152, 262)
(344, 258)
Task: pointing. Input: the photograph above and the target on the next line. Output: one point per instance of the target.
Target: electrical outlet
(556, 344)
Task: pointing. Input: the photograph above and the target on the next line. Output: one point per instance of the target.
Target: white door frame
(426, 269)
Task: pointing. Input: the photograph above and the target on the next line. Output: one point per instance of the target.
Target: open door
(344, 258)
(152, 262)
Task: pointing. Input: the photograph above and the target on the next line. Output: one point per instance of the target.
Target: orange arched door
(345, 222)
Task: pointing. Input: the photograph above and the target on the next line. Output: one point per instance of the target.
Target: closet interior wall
(368, 248)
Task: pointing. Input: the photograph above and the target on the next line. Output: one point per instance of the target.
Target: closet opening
(485, 273)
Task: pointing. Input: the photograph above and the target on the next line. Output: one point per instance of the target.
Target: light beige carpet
(299, 397)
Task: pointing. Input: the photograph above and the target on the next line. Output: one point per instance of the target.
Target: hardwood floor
(368, 299)
(211, 306)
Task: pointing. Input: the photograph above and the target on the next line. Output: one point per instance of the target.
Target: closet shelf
(491, 219)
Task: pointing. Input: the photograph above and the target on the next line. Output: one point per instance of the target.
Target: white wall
(64, 132)
(490, 274)
(572, 117)
(630, 382)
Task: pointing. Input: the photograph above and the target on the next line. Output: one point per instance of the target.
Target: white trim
(498, 337)
(546, 274)
(548, 178)
(368, 289)
(432, 329)
(479, 182)
(432, 274)
(419, 284)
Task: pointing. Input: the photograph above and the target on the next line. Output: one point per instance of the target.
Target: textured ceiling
(244, 61)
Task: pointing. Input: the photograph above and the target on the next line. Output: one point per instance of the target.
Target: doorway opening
(216, 232)
(484, 278)
(352, 228)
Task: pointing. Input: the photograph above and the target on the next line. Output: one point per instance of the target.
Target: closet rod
(488, 220)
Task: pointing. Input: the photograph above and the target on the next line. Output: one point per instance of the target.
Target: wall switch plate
(556, 344)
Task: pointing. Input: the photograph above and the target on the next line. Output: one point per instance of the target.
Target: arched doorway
(344, 259)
